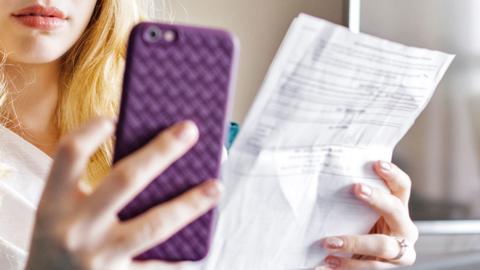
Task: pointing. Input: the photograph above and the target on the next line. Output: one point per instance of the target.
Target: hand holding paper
(332, 103)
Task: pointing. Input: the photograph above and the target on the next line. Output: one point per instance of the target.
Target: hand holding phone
(82, 232)
(175, 73)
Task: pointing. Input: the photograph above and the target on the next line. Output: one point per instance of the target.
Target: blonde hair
(91, 73)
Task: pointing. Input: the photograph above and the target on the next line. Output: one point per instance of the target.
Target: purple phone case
(167, 82)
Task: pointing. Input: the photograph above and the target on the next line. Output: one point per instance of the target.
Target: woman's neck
(33, 89)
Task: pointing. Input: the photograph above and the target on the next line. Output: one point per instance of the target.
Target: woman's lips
(40, 17)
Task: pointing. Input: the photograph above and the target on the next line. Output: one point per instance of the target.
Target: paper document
(333, 102)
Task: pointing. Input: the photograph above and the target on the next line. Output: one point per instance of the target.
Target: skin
(33, 70)
(83, 232)
(377, 249)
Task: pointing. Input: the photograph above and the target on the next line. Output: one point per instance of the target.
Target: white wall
(259, 24)
(442, 151)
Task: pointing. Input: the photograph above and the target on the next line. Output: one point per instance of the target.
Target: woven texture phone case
(167, 82)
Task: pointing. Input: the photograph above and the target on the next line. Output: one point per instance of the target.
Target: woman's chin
(34, 56)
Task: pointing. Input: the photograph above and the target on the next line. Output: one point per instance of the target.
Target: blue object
(232, 134)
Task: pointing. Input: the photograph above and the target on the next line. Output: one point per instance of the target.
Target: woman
(61, 69)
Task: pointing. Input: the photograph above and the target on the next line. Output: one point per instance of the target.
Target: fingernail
(365, 191)
(334, 242)
(385, 166)
(212, 189)
(186, 131)
(333, 262)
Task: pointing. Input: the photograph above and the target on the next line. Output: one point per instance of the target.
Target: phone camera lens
(153, 34)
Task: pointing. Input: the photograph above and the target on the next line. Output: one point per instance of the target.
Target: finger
(374, 245)
(391, 208)
(333, 262)
(396, 180)
(377, 245)
(72, 156)
(132, 174)
(161, 222)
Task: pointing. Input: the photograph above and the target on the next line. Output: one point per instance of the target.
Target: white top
(23, 170)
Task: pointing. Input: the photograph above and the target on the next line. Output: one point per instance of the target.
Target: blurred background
(441, 151)
(260, 26)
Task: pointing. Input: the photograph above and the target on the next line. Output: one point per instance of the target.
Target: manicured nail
(334, 242)
(186, 131)
(365, 191)
(385, 166)
(333, 262)
(212, 189)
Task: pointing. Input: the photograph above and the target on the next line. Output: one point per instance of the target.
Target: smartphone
(175, 73)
